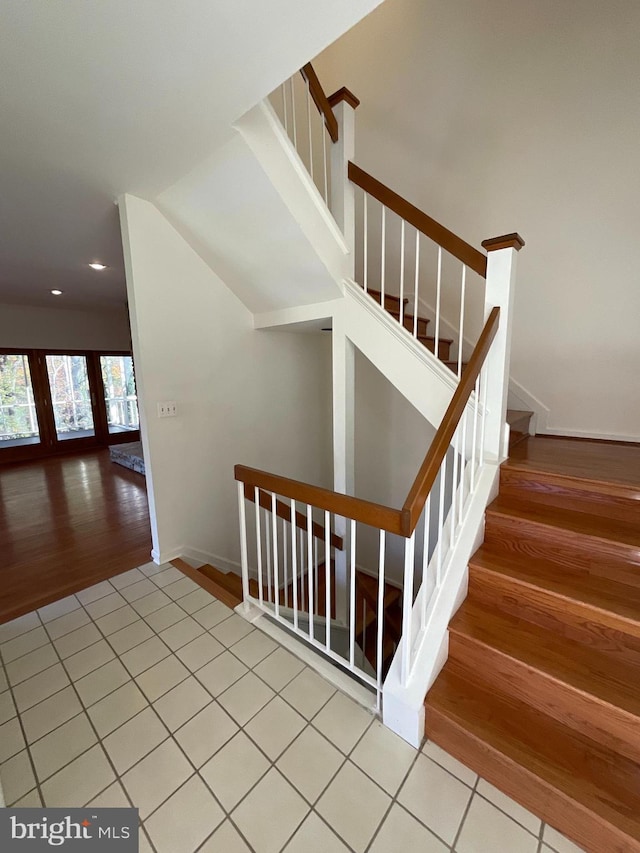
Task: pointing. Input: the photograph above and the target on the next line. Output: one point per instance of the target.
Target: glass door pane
(70, 396)
(18, 419)
(120, 396)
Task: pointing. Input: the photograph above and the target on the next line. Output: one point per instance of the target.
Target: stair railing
(307, 116)
(443, 503)
(315, 594)
(395, 244)
(429, 524)
(400, 253)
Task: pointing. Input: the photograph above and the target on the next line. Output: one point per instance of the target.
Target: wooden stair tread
(601, 593)
(567, 765)
(430, 339)
(587, 669)
(582, 523)
(588, 460)
(369, 587)
(530, 474)
(517, 418)
(377, 295)
(453, 365)
(209, 581)
(229, 591)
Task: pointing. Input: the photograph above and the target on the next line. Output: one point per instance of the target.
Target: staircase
(227, 587)
(540, 692)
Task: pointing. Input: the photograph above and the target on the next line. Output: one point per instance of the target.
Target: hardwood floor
(66, 523)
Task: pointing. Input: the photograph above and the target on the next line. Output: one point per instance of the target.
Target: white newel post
(343, 104)
(343, 360)
(500, 291)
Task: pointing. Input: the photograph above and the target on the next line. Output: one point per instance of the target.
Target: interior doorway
(54, 401)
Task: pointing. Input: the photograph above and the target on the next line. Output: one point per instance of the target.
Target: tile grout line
(465, 813)
(99, 740)
(273, 763)
(26, 742)
(309, 723)
(214, 698)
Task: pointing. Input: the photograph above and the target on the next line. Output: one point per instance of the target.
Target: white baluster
(416, 282)
(244, 559)
(365, 258)
(294, 564)
(380, 635)
(402, 272)
(276, 579)
(352, 597)
(327, 577)
(407, 606)
(443, 480)
(462, 296)
(310, 133)
(315, 571)
(474, 439)
(284, 108)
(293, 113)
(268, 550)
(452, 512)
(425, 557)
(310, 568)
(383, 254)
(463, 460)
(284, 562)
(325, 162)
(256, 493)
(438, 287)
(302, 586)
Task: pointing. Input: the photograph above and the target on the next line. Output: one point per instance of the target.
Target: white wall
(510, 115)
(59, 328)
(255, 397)
(392, 438)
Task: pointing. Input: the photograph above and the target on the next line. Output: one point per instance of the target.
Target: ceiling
(101, 97)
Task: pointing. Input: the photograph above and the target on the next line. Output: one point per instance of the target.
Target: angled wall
(256, 397)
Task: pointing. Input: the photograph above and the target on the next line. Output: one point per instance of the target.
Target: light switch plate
(167, 409)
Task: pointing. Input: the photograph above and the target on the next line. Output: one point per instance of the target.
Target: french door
(54, 401)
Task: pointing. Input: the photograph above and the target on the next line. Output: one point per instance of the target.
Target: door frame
(49, 444)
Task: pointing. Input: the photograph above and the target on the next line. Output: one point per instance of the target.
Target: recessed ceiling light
(57, 292)
(98, 266)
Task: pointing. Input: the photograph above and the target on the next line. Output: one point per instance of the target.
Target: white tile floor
(146, 691)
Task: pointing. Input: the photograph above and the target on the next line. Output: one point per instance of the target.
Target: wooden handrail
(449, 241)
(366, 512)
(320, 100)
(284, 512)
(343, 94)
(428, 472)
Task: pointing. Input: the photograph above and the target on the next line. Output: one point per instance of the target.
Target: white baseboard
(195, 555)
(529, 403)
(596, 436)
(165, 555)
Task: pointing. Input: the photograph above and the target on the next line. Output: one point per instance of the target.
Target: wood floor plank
(66, 523)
